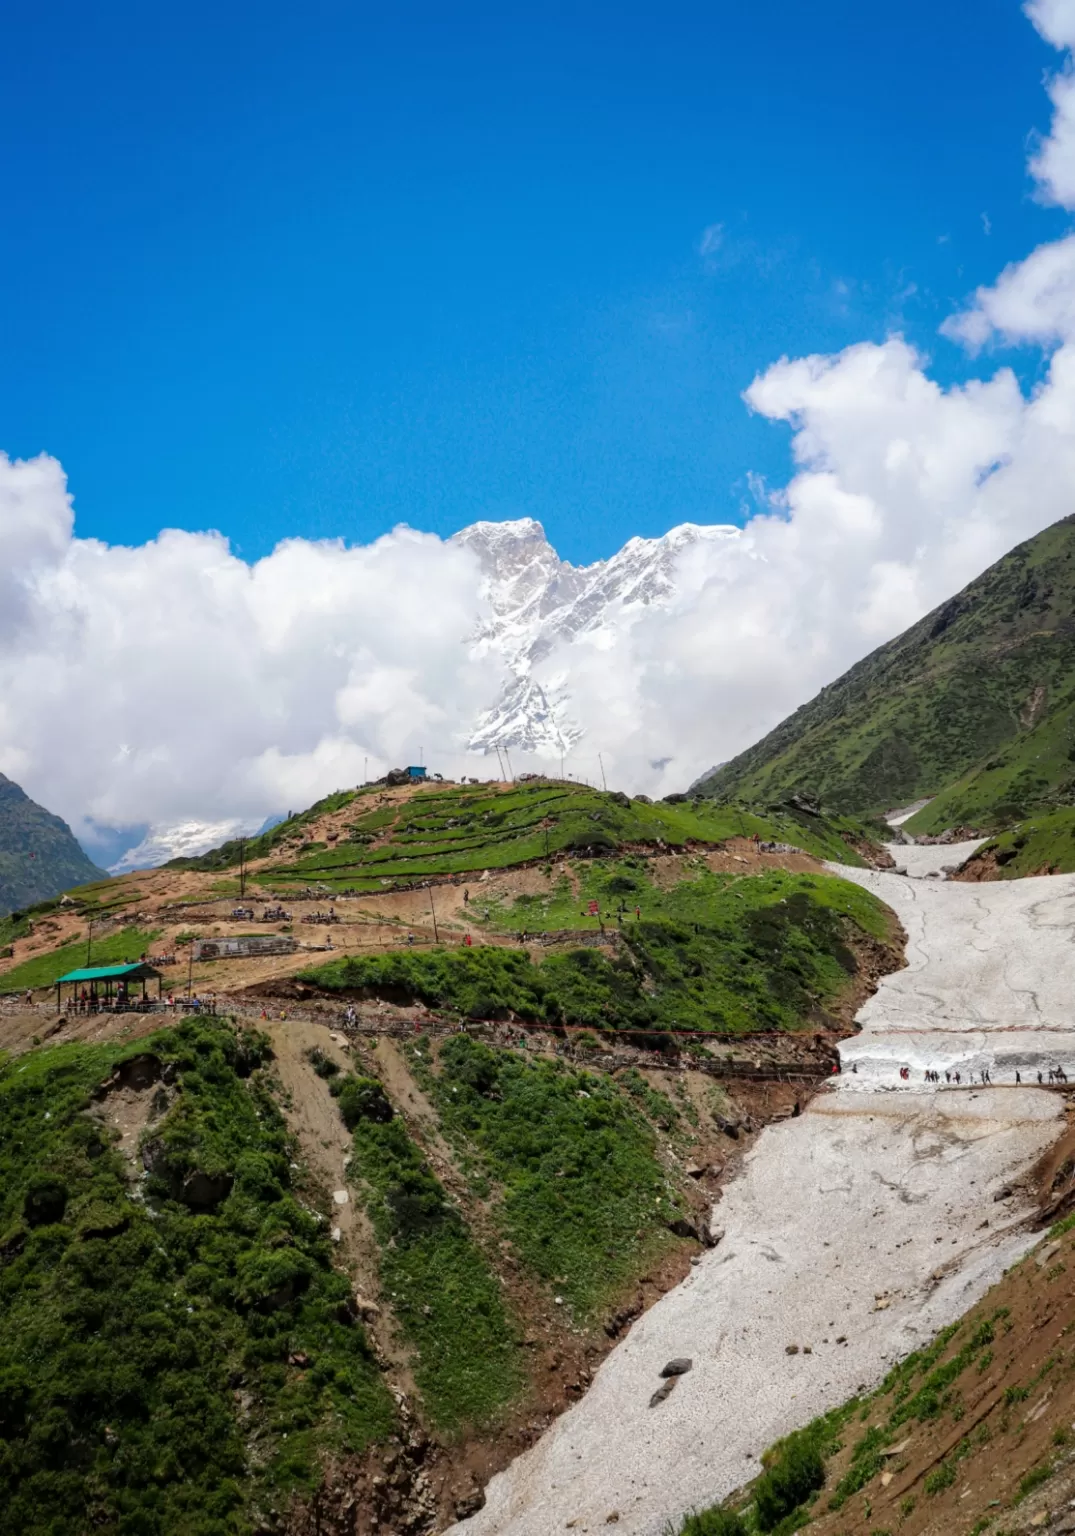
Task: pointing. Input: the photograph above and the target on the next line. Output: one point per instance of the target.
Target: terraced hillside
(376, 839)
(352, 1236)
(974, 706)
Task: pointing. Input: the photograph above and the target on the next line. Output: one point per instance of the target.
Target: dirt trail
(314, 1116)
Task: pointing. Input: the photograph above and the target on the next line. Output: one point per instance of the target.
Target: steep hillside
(39, 856)
(326, 1254)
(972, 1434)
(264, 1279)
(974, 705)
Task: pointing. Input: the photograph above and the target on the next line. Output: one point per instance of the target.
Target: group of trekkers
(984, 1077)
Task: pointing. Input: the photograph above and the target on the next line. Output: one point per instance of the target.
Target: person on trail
(466, 898)
(467, 940)
(958, 1079)
(947, 1076)
(1018, 1079)
(1039, 1079)
(638, 912)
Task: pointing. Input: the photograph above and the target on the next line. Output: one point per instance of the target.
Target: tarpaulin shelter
(105, 984)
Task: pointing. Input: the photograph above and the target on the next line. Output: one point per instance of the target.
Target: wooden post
(432, 908)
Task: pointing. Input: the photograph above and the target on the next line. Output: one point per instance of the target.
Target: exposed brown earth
(999, 1457)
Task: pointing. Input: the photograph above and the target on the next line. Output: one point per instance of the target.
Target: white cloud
(171, 681)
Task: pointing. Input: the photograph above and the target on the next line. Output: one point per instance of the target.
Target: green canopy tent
(114, 979)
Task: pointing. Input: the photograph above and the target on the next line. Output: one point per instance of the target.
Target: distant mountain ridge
(39, 855)
(974, 706)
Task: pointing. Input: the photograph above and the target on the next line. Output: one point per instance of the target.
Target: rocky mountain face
(539, 602)
(39, 856)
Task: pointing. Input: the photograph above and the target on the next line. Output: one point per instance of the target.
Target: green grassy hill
(39, 856)
(716, 953)
(462, 829)
(974, 705)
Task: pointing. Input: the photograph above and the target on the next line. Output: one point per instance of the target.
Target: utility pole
(89, 938)
(365, 770)
(561, 762)
(511, 770)
(190, 971)
(242, 868)
(601, 760)
(432, 908)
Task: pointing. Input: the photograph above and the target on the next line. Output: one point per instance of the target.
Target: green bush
(713, 1522)
(361, 1098)
(787, 1484)
(45, 1200)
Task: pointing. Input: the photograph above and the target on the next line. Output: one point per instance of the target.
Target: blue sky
(318, 270)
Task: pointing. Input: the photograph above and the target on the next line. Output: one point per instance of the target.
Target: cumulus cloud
(173, 680)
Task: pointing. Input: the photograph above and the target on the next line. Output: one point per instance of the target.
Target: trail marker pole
(242, 868)
(432, 908)
(89, 938)
(601, 762)
(190, 971)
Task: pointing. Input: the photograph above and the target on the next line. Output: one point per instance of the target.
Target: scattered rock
(678, 1367)
(469, 1504)
(663, 1391)
(791, 1349)
(1048, 1252)
(340, 1196)
(139, 1071)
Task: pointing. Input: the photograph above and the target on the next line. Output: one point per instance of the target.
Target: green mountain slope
(974, 704)
(39, 856)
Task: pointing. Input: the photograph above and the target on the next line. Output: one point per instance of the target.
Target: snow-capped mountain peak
(539, 601)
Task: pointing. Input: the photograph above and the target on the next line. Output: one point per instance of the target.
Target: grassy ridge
(144, 1346)
(979, 696)
(766, 952)
(468, 1361)
(458, 831)
(1043, 845)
